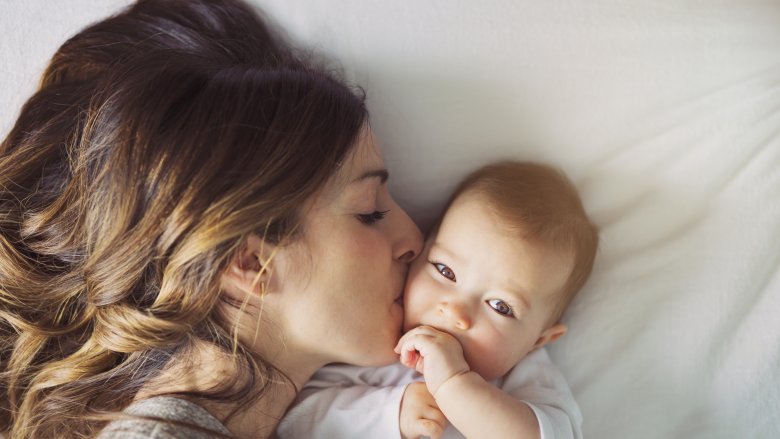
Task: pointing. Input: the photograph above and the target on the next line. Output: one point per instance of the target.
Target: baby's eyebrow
(450, 254)
(520, 298)
(517, 293)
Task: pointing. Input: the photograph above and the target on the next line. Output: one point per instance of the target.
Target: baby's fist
(434, 353)
(420, 415)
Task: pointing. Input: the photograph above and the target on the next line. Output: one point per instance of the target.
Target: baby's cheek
(416, 299)
(490, 355)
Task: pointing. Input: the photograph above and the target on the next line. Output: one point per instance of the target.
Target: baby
(482, 300)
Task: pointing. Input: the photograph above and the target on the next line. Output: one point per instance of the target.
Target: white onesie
(359, 402)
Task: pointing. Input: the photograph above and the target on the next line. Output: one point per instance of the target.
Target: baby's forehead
(470, 213)
(477, 204)
(474, 230)
(504, 221)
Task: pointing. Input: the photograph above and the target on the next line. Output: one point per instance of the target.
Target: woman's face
(344, 277)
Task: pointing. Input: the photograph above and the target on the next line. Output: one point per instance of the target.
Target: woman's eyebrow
(382, 174)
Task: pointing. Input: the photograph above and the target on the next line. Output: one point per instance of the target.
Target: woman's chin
(385, 356)
(397, 313)
(378, 359)
(379, 345)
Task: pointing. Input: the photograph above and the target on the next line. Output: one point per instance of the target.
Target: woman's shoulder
(164, 408)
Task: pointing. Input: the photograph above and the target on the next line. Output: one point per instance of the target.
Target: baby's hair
(543, 206)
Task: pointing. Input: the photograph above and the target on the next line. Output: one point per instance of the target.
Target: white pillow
(666, 115)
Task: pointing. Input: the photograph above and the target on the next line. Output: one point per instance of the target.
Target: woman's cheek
(364, 242)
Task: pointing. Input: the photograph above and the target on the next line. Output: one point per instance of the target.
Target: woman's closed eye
(500, 307)
(373, 217)
(444, 271)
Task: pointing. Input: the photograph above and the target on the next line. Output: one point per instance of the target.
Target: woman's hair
(159, 139)
(540, 205)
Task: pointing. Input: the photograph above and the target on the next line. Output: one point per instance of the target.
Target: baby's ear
(250, 271)
(552, 333)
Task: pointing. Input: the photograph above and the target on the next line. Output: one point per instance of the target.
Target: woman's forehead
(365, 156)
(364, 164)
(363, 161)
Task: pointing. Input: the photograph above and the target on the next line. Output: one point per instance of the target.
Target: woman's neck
(258, 420)
(207, 367)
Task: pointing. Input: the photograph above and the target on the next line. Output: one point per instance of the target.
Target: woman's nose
(408, 240)
(456, 314)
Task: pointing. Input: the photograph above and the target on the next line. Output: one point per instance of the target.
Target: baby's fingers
(435, 415)
(409, 358)
(415, 333)
(412, 348)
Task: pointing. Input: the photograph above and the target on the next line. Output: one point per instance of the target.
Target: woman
(192, 221)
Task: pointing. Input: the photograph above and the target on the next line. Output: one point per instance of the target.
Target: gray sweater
(165, 407)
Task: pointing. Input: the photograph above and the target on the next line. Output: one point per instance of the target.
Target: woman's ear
(552, 333)
(250, 271)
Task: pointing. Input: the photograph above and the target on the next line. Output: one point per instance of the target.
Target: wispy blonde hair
(540, 205)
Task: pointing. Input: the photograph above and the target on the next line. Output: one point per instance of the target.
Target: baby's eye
(444, 271)
(501, 307)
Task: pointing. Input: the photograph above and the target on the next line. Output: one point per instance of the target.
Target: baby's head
(510, 252)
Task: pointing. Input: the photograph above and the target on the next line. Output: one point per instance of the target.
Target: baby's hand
(420, 416)
(435, 354)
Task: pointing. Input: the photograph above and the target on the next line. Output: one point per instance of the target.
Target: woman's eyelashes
(373, 217)
(444, 271)
(500, 307)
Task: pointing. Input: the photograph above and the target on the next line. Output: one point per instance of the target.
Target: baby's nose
(456, 313)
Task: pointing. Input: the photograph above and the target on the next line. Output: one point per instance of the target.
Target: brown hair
(159, 139)
(540, 204)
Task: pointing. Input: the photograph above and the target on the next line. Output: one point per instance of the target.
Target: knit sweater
(168, 408)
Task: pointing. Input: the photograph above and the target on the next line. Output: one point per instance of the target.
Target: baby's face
(493, 292)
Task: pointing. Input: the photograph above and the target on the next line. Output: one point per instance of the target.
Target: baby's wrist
(449, 381)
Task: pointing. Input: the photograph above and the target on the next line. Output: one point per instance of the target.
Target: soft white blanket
(667, 116)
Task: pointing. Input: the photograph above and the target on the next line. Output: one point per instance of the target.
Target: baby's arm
(474, 406)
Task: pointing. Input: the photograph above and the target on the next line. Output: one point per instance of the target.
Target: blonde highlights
(159, 139)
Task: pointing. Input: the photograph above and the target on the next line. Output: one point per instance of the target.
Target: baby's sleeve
(345, 401)
(537, 382)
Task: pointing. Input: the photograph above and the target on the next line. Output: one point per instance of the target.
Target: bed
(665, 114)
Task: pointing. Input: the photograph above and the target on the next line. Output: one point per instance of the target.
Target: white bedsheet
(667, 116)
